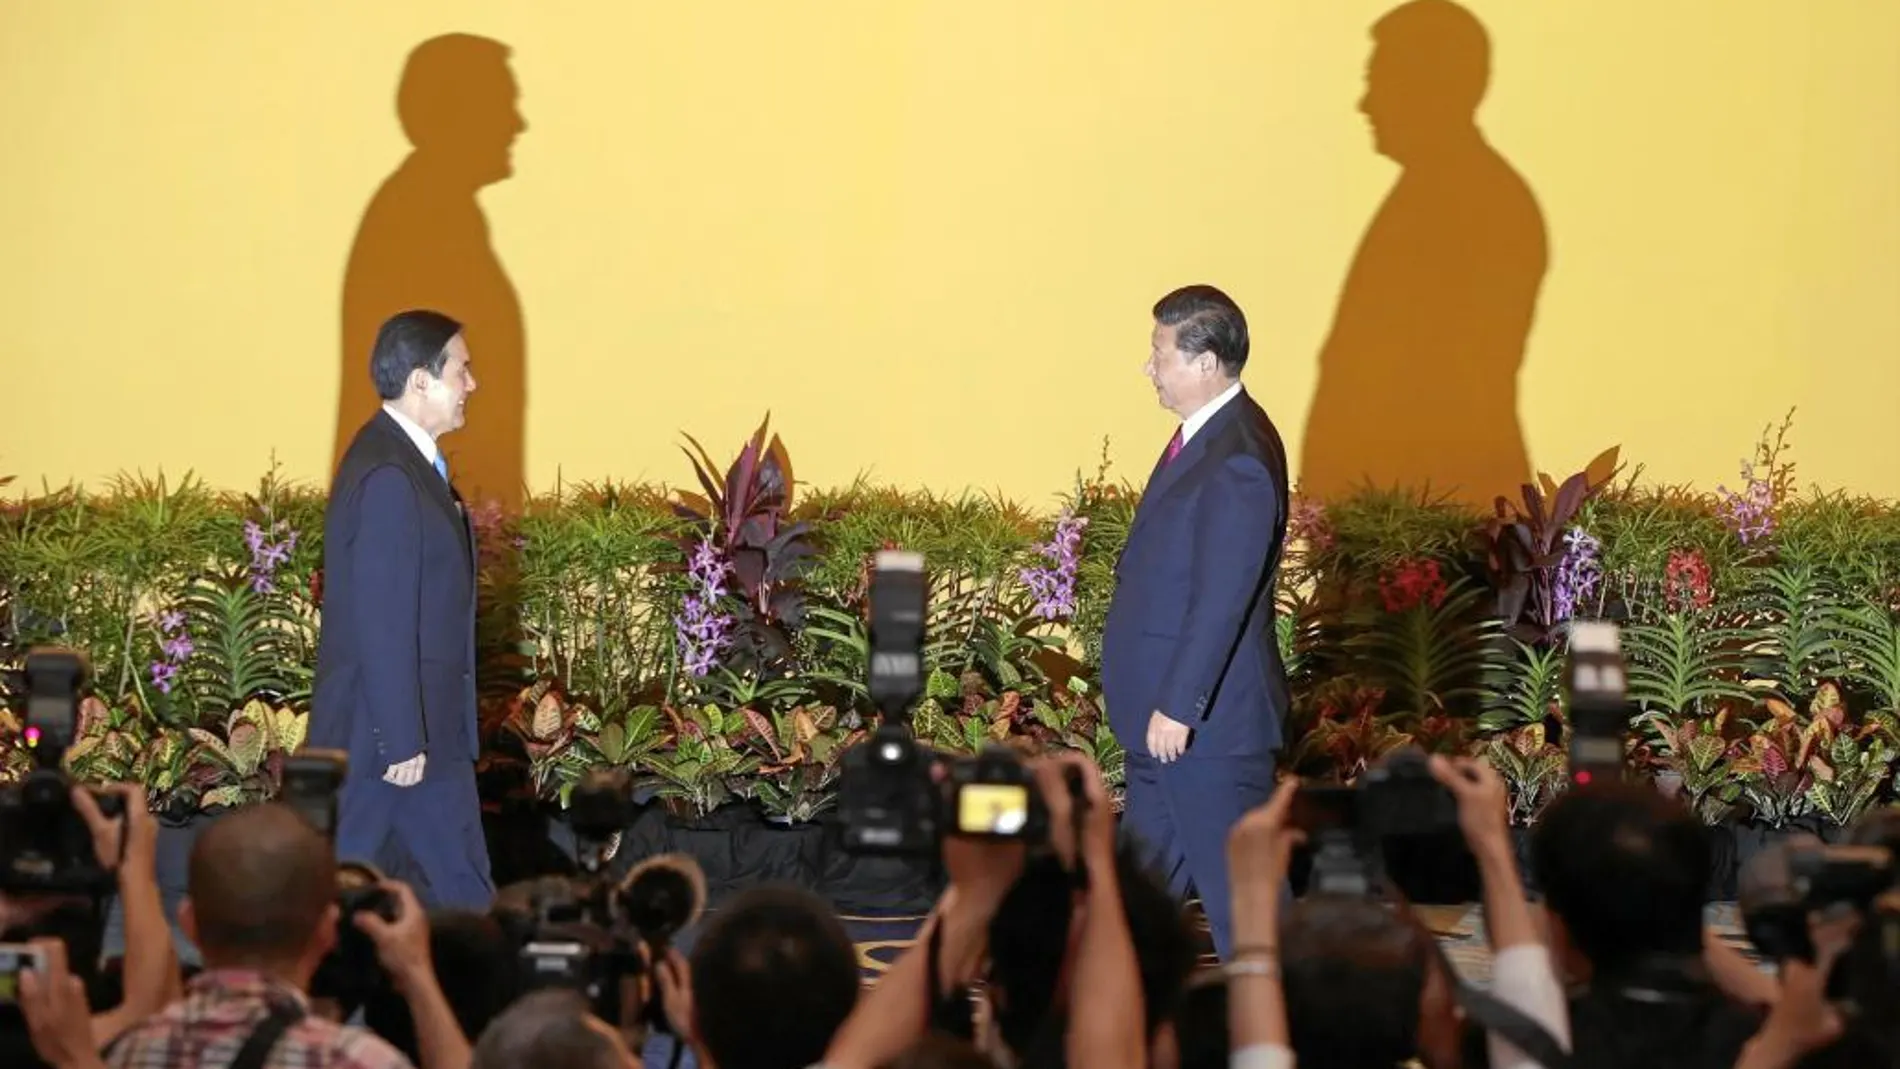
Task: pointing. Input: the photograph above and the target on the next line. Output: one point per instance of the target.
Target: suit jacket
(396, 651)
(1190, 631)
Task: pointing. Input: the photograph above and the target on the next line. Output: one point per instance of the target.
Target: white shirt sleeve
(1261, 1056)
(1524, 978)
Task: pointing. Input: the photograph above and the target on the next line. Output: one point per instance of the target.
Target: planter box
(738, 848)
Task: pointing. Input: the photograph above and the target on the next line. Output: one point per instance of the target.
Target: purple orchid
(701, 629)
(1053, 585)
(1578, 574)
(1751, 512)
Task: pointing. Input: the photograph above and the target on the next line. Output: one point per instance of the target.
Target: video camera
(45, 844)
(1347, 826)
(899, 797)
(1596, 684)
(587, 934)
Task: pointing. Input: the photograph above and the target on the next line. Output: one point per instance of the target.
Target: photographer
(55, 1005)
(1099, 990)
(1623, 869)
(262, 910)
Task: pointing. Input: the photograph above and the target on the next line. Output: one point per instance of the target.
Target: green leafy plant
(1683, 664)
(1534, 769)
(1695, 754)
(1427, 645)
(1523, 687)
(1796, 619)
(805, 749)
(707, 764)
(1870, 637)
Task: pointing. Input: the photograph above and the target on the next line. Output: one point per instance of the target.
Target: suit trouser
(428, 836)
(1182, 813)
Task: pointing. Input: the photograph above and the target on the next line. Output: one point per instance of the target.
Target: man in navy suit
(1191, 667)
(395, 683)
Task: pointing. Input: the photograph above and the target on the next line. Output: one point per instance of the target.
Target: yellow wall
(926, 234)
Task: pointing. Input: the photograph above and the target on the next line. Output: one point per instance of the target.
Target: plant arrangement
(711, 642)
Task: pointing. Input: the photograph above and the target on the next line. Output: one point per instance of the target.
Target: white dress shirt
(1206, 412)
(430, 451)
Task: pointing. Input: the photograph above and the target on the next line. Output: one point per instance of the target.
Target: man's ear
(188, 921)
(324, 939)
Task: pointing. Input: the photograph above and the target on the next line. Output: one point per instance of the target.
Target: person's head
(458, 103)
(1623, 869)
(261, 894)
(774, 976)
(421, 365)
(1362, 986)
(551, 1029)
(1197, 348)
(1431, 62)
(1033, 933)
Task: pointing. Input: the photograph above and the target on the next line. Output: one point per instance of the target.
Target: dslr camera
(45, 845)
(899, 797)
(1347, 826)
(595, 934)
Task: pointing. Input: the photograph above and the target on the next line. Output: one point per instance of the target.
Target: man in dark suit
(395, 683)
(1191, 666)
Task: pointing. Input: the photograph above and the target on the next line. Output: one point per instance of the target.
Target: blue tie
(442, 466)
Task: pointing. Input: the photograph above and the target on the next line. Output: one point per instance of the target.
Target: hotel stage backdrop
(926, 235)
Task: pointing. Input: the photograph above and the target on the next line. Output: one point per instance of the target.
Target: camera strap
(257, 1048)
(1512, 1025)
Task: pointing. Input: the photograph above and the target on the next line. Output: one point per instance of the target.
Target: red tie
(1174, 447)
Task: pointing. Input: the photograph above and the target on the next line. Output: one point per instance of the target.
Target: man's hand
(54, 1004)
(130, 841)
(1167, 739)
(408, 773)
(1484, 805)
(403, 945)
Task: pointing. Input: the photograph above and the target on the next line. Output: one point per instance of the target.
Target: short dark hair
(261, 881)
(409, 340)
(1206, 321)
(1029, 938)
(774, 977)
(1355, 974)
(548, 1029)
(1625, 868)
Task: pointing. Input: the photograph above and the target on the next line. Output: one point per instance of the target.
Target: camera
(587, 933)
(899, 797)
(1788, 881)
(1596, 682)
(45, 845)
(350, 974)
(1348, 826)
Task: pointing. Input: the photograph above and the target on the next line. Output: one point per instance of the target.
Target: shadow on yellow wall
(1418, 379)
(423, 243)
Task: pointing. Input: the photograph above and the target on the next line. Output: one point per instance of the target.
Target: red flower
(1686, 581)
(1407, 585)
(316, 588)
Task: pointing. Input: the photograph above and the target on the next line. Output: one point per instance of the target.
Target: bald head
(262, 881)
